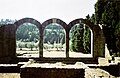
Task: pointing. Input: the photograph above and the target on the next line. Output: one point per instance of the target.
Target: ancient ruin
(8, 40)
(73, 66)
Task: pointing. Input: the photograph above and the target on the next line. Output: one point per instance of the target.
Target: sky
(41, 10)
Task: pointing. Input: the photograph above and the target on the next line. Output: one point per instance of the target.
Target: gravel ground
(96, 73)
(9, 75)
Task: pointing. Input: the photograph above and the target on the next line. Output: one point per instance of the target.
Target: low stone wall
(52, 70)
(51, 73)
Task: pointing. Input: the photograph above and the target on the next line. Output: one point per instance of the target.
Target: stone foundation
(52, 70)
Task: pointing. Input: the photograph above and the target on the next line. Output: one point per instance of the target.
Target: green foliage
(54, 33)
(99, 9)
(27, 32)
(80, 36)
(77, 38)
(117, 35)
(92, 18)
(107, 12)
(6, 21)
(87, 39)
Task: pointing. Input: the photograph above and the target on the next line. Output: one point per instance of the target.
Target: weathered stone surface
(8, 39)
(54, 70)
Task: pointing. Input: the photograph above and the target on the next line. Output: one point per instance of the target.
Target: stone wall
(7, 43)
(51, 73)
(8, 39)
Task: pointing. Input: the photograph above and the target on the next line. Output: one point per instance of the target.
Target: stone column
(67, 44)
(41, 44)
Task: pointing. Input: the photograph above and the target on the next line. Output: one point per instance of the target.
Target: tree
(7, 21)
(54, 33)
(107, 13)
(77, 38)
(92, 18)
(87, 36)
(117, 35)
(27, 32)
(87, 39)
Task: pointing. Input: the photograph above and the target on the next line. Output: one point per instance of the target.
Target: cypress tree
(77, 38)
(87, 35)
(87, 40)
(107, 12)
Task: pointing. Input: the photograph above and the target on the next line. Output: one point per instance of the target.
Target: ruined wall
(7, 43)
(8, 40)
(98, 37)
(1, 42)
(51, 73)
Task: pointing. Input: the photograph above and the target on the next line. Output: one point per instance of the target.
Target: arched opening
(80, 41)
(27, 40)
(54, 41)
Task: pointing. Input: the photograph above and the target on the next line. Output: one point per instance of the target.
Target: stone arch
(54, 20)
(63, 24)
(8, 35)
(32, 21)
(98, 37)
(28, 20)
